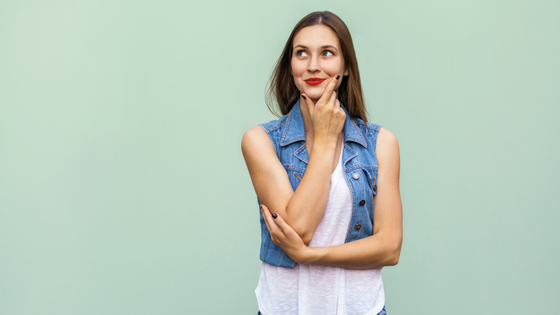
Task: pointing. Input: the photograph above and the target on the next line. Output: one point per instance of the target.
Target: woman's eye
(328, 53)
(301, 53)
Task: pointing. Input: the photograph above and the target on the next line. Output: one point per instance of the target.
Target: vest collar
(295, 129)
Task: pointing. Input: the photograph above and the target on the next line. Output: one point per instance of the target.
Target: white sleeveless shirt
(325, 290)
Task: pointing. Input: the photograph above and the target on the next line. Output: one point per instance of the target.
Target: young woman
(326, 179)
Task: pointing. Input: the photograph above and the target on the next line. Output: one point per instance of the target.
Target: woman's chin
(314, 96)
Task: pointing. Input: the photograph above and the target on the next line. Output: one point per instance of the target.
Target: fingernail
(260, 207)
(338, 76)
(305, 98)
(274, 215)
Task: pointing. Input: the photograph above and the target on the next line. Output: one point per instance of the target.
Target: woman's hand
(284, 236)
(327, 115)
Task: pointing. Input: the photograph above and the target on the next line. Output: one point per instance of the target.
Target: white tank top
(326, 290)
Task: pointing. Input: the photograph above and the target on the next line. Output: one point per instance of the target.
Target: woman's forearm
(307, 206)
(375, 251)
(381, 249)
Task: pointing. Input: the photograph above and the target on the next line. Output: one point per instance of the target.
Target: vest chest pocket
(370, 178)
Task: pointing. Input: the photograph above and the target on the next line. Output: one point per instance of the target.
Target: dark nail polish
(305, 98)
(260, 207)
(274, 215)
(338, 76)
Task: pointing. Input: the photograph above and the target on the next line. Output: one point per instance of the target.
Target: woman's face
(317, 57)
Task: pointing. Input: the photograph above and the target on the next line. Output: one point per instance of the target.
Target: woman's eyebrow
(323, 47)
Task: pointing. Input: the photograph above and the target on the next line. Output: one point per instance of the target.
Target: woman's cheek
(299, 83)
(297, 77)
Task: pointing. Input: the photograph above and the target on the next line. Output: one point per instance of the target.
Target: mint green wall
(123, 189)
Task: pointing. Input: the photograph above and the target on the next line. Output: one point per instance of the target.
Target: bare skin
(317, 54)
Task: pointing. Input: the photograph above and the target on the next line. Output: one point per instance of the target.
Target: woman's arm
(382, 248)
(302, 209)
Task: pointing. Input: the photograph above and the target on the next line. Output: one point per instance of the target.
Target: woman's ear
(346, 72)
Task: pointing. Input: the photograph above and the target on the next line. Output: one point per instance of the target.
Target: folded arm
(382, 248)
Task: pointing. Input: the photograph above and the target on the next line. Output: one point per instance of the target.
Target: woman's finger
(270, 224)
(264, 218)
(282, 224)
(291, 239)
(329, 90)
(333, 99)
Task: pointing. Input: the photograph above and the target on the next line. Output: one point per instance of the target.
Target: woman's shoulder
(253, 139)
(262, 133)
(267, 131)
(387, 146)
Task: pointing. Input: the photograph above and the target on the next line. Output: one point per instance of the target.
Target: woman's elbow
(394, 260)
(304, 232)
(394, 255)
(306, 236)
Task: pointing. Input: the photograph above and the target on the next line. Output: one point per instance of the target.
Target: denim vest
(360, 167)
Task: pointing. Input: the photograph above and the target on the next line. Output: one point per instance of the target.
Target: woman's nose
(313, 64)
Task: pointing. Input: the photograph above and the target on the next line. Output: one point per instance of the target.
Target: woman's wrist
(326, 140)
(324, 145)
(310, 255)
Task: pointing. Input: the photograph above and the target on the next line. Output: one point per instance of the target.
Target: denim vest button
(358, 226)
(356, 175)
(362, 202)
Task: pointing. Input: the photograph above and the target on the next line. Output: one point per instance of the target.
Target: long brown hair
(282, 91)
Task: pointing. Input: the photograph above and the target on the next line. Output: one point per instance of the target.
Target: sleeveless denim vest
(360, 167)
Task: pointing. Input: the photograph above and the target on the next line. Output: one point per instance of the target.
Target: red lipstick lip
(314, 81)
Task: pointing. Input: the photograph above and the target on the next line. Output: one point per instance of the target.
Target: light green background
(123, 189)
